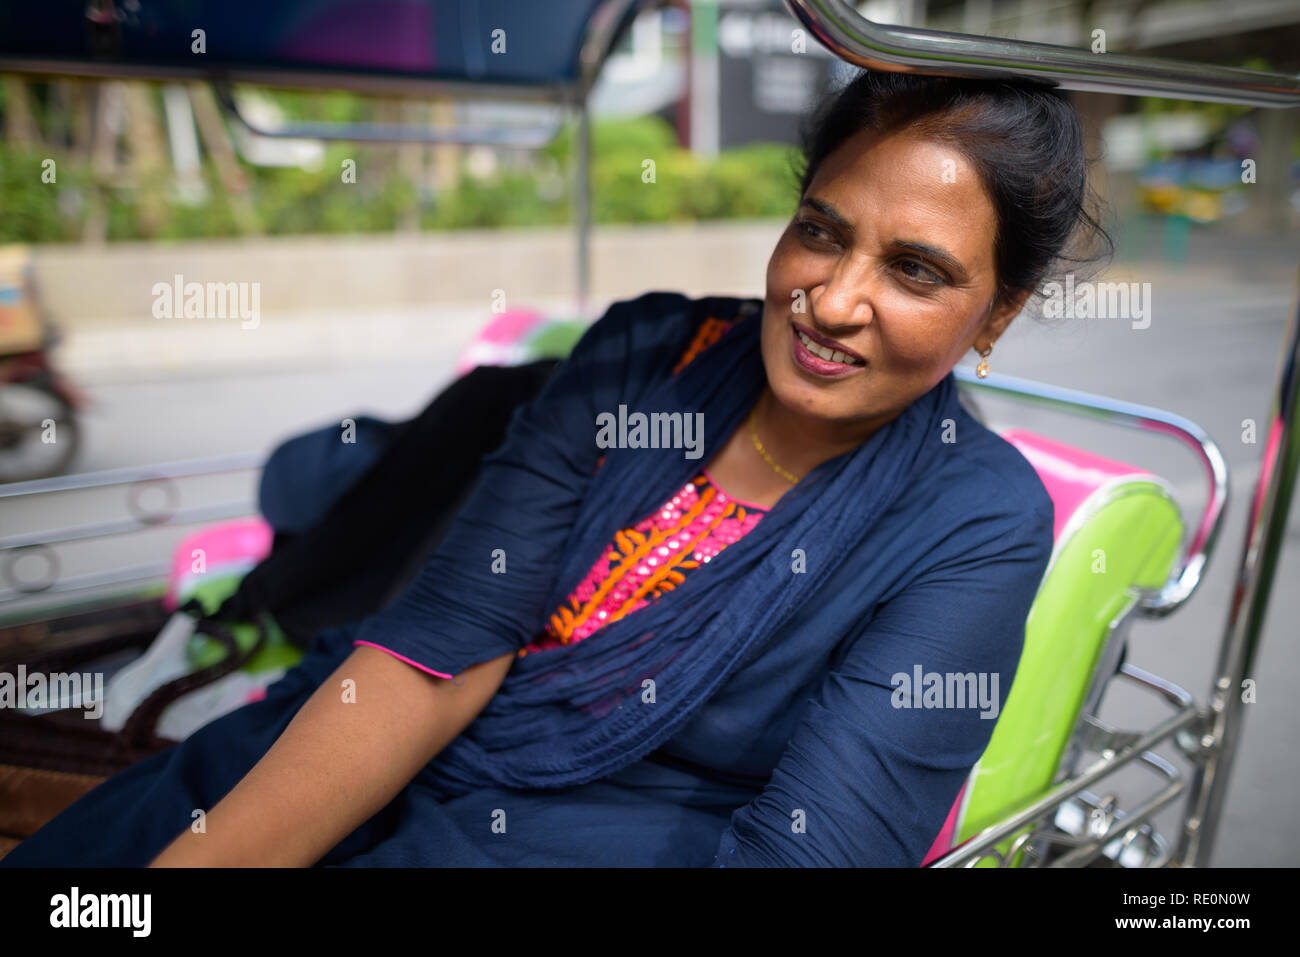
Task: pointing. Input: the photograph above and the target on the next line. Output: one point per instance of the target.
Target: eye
(926, 276)
(812, 231)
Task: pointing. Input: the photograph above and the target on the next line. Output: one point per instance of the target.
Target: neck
(799, 442)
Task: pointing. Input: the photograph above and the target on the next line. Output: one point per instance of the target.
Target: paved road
(1210, 353)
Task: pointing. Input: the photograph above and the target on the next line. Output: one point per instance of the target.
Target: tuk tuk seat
(1117, 529)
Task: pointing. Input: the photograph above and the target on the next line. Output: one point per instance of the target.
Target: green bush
(754, 181)
(30, 209)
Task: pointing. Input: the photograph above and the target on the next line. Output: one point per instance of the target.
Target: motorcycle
(39, 428)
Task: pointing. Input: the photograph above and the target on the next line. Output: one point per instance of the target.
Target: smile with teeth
(830, 355)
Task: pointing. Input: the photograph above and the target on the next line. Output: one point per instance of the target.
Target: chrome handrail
(133, 474)
(855, 39)
(1118, 412)
(133, 479)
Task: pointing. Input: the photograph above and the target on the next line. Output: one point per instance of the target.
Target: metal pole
(705, 91)
(582, 198)
(904, 49)
(1265, 532)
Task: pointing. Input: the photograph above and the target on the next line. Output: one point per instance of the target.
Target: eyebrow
(936, 253)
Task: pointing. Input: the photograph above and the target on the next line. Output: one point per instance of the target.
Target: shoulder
(689, 313)
(650, 310)
(668, 328)
(989, 463)
(965, 549)
(712, 317)
(977, 498)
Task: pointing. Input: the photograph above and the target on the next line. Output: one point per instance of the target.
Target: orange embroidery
(631, 556)
(710, 331)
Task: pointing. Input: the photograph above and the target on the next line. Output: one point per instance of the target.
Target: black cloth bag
(372, 541)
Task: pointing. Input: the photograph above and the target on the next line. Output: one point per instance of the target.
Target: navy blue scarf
(570, 715)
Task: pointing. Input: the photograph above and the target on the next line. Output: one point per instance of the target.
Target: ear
(1000, 317)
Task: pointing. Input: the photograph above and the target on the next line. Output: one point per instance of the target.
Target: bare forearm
(339, 762)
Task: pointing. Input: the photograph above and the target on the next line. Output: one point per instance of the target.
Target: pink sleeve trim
(413, 664)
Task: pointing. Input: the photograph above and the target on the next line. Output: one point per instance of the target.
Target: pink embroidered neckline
(690, 529)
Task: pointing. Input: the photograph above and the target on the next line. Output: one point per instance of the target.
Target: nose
(844, 299)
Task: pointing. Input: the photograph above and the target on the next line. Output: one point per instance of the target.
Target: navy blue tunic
(801, 759)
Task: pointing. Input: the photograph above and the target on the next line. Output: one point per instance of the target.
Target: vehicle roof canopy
(441, 40)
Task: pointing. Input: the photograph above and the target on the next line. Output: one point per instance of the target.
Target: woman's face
(889, 257)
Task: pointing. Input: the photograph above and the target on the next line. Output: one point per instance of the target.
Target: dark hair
(1023, 137)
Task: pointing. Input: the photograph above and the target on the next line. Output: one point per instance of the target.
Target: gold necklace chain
(753, 434)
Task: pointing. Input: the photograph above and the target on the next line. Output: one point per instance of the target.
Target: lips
(818, 356)
(847, 356)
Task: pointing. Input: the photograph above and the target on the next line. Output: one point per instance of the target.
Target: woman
(690, 653)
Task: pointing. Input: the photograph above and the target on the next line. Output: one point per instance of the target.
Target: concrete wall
(81, 285)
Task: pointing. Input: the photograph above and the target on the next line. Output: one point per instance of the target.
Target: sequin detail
(649, 559)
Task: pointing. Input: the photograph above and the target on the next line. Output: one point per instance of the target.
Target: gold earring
(982, 370)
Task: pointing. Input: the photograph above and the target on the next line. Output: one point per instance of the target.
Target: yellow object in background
(1203, 207)
(20, 326)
